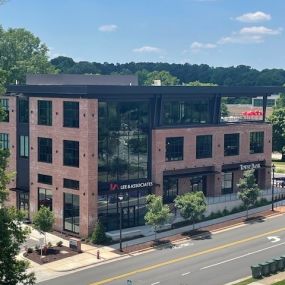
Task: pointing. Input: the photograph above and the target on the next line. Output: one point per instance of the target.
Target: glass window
(71, 114)
(199, 183)
(123, 140)
(256, 142)
(24, 146)
(71, 184)
(45, 179)
(45, 150)
(231, 144)
(23, 111)
(71, 153)
(227, 182)
(4, 141)
(204, 146)
(170, 189)
(45, 198)
(4, 104)
(45, 112)
(23, 203)
(174, 148)
(71, 213)
(191, 111)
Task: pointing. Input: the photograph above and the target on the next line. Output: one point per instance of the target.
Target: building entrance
(129, 217)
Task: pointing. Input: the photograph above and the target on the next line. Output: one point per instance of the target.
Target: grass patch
(279, 283)
(247, 281)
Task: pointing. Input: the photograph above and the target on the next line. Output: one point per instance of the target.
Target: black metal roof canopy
(104, 92)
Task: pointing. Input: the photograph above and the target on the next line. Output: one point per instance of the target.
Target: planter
(256, 271)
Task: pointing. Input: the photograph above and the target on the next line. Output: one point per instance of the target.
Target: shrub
(59, 243)
(99, 235)
(49, 244)
(30, 250)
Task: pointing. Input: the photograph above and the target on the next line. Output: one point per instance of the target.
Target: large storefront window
(45, 112)
(256, 142)
(133, 208)
(174, 148)
(198, 183)
(23, 202)
(194, 111)
(45, 198)
(170, 189)
(71, 212)
(123, 141)
(204, 146)
(231, 144)
(227, 183)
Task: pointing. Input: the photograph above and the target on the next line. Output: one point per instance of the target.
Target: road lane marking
(175, 260)
(274, 239)
(241, 256)
(186, 273)
(155, 283)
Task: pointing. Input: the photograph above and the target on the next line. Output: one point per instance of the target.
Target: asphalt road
(216, 260)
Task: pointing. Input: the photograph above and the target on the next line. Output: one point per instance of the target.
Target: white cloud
(254, 17)
(147, 49)
(248, 35)
(108, 28)
(196, 46)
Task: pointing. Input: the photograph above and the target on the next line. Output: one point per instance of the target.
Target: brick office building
(84, 146)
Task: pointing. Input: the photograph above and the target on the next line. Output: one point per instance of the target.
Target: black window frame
(227, 190)
(71, 184)
(4, 104)
(174, 148)
(45, 150)
(231, 144)
(45, 112)
(24, 146)
(256, 142)
(71, 114)
(4, 141)
(169, 192)
(71, 153)
(204, 146)
(71, 210)
(47, 202)
(44, 179)
(23, 107)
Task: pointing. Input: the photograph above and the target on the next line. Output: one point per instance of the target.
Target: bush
(30, 250)
(49, 244)
(59, 243)
(99, 235)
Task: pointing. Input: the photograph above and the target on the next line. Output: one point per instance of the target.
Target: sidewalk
(109, 253)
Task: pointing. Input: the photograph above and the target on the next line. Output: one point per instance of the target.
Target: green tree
(248, 189)
(43, 220)
(157, 214)
(164, 76)
(12, 234)
(191, 205)
(21, 53)
(99, 235)
(277, 120)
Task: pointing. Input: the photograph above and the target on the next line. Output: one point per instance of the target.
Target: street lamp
(120, 199)
(272, 187)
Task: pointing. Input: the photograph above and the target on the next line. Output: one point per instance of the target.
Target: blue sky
(214, 32)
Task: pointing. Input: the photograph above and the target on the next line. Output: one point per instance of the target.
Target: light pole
(120, 199)
(272, 187)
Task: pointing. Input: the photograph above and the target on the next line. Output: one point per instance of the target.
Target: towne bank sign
(250, 166)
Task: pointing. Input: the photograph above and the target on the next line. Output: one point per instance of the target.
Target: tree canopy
(248, 189)
(21, 53)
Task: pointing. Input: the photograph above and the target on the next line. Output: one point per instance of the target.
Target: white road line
(186, 273)
(155, 283)
(241, 256)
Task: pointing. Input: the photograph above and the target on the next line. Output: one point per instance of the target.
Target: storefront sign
(116, 186)
(249, 166)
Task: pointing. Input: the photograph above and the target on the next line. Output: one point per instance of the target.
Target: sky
(214, 32)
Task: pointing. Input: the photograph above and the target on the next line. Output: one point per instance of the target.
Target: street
(214, 260)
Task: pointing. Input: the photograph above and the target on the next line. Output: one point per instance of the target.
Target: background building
(78, 144)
